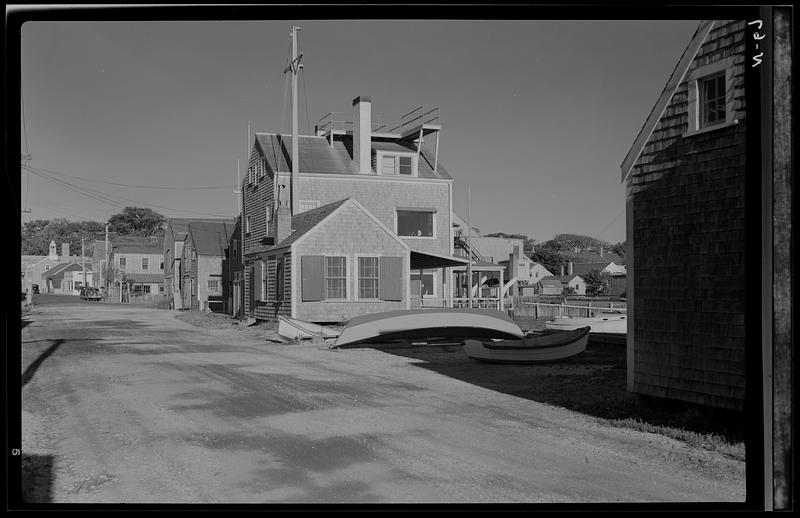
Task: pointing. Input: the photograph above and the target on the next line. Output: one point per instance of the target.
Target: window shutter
(313, 277)
(391, 278)
(259, 275)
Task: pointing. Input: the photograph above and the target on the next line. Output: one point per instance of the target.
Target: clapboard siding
(688, 247)
(257, 195)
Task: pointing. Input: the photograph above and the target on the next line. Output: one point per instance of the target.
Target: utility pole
(105, 266)
(83, 263)
(26, 163)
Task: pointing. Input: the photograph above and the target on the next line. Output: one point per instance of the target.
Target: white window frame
(694, 80)
(396, 155)
(218, 286)
(347, 274)
(357, 278)
(122, 262)
(145, 263)
(306, 205)
(432, 273)
(433, 213)
(247, 225)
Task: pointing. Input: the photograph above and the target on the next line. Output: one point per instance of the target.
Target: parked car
(35, 288)
(90, 294)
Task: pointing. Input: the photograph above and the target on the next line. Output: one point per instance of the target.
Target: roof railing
(334, 121)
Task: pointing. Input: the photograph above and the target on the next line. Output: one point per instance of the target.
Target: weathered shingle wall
(688, 242)
(256, 196)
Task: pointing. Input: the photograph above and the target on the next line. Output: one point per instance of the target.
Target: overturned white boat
(293, 329)
(428, 323)
(606, 324)
(550, 347)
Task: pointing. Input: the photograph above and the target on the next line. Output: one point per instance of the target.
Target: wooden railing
(541, 309)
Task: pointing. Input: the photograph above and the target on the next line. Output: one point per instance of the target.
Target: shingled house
(353, 225)
(203, 277)
(684, 179)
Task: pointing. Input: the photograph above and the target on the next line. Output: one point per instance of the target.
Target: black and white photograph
(358, 256)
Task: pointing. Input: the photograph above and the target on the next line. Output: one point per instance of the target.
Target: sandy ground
(124, 404)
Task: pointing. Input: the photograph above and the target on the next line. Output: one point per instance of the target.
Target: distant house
(138, 263)
(59, 279)
(202, 275)
(232, 272)
(172, 250)
(527, 272)
(549, 286)
(34, 267)
(684, 179)
(99, 260)
(608, 267)
(573, 284)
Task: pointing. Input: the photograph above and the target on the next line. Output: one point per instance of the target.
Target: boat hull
(551, 347)
(611, 324)
(428, 323)
(293, 329)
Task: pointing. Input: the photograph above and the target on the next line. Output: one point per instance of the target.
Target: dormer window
(393, 164)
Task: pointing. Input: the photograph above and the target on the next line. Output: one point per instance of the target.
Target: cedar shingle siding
(687, 195)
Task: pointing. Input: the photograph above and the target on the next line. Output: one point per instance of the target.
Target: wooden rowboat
(548, 347)
(428, 323)
(617, 324)
(294, 329)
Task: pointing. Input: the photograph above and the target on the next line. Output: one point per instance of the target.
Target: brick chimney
(283, 223)
(570, 268)
(562, 271)
(515, 263)
(601, 251)
(65, 250)
(362, 134)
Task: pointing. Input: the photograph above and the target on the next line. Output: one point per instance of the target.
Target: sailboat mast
(469, 251)
(295, 147)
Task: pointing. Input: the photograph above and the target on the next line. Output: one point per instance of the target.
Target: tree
(37, 234)
(137, 221)
(597, 283)
(619, 249)
(549, 258)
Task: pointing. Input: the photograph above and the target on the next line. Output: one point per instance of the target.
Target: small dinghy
(293, 329)
(428, 323)
(616, 324)
(547, 347)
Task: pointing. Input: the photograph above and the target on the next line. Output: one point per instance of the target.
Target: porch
(439, 281)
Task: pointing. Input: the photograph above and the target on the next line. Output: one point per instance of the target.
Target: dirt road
(132, 405)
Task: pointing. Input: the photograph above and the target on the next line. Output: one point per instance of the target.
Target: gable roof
(180, 226)
(317, 155)
(567, 278)
(673, 82)
(137, 248)
(209, 237)
(305, 221)
(550, 281)
(578, 268)
(61, 269)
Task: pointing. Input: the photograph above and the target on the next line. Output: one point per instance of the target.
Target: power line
(607, 226)
(136, 186)
(110, 199)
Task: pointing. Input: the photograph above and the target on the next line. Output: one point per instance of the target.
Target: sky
(536, 116)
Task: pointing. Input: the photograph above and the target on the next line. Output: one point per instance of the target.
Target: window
(368, 277)
(416, 223)
(161, 289)
(387, 165)
(213, 285)
(268, 214)
(235, 248)
(279, 279)
(308, 205)
(46, 267)
(712, 100)
(162, 265)
(122, 263)
(336, 277)
(427, 288)
(145, 263)
(247, 225)
(146, 288)
(393, 164)
(405, 165)
(711, 96)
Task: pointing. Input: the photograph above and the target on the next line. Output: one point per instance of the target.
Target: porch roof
(483, 266)
(428, 260)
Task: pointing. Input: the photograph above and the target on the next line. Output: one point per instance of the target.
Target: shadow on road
(593, 383)
(37, 478)
(31, 370)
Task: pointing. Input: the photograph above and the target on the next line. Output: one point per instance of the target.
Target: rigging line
(110, 198)
(308, 120)
(135, 186)
(612, 221)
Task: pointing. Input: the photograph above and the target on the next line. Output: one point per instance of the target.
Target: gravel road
(125, 404)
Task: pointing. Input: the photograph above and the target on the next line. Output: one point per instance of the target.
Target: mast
(294, 67)
(469, 252)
